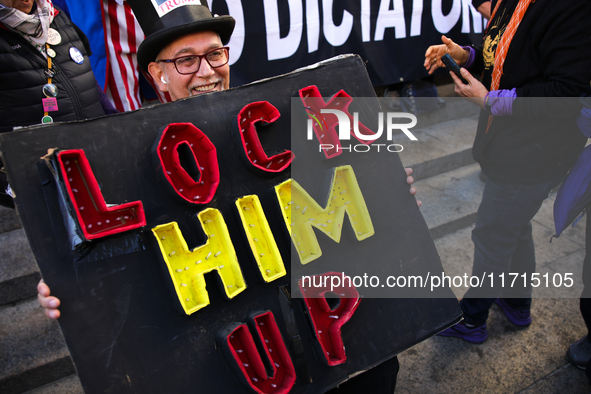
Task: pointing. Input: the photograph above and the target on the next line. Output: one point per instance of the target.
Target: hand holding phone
(451, 64)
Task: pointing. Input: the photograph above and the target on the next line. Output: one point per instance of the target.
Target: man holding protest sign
(184, 59)
(187, 59)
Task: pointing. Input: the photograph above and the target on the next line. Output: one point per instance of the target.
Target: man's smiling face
(206, 79)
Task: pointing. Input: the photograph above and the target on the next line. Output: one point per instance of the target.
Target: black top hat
(163, 21)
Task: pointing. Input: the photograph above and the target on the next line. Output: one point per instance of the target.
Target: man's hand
(49, 303)
(434, 53)
(410, 180)
(474, 91)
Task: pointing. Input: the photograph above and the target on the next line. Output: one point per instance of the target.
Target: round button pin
(51, 53)
(53, 37)
(50, 90)
(47, 119)
(49, 72)
(76, 55)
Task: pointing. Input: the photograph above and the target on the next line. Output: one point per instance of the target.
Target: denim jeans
(503, 244)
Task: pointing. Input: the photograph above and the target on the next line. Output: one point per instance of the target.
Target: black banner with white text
(273, 37)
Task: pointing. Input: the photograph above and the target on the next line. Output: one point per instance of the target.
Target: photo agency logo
(323, 123)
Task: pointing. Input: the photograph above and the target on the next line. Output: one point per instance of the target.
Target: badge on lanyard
(49, 90)
(50, 104)
(50, 72)
(53, 37)
(76, 55)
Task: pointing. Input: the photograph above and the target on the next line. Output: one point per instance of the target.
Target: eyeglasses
(190, 64)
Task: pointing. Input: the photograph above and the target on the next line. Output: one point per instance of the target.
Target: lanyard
(49, 89)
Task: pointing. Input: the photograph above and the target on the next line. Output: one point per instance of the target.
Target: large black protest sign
(181, 280)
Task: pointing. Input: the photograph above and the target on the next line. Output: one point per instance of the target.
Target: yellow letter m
(301, 212)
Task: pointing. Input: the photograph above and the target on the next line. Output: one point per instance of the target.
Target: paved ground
(528, 361)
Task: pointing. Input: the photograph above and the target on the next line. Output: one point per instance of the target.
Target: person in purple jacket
(525, 144)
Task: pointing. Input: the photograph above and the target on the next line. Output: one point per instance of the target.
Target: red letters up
(241, 353)
(327, 321)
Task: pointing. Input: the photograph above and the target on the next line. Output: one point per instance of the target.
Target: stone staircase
(34, 358)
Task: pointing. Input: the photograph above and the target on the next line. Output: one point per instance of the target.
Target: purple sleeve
(105, 102)
(501, 101)
(471, 57)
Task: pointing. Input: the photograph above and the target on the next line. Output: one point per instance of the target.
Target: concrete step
(450, 200)
(32, 351)
(530, 360)
(19, 274)
(9, 220)
(444, 136)
(69, 385)
(439, 148)
(450, 108)
(445, 86)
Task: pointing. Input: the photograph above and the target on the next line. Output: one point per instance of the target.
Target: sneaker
(516, 317)
(470, 334)
(579, 353)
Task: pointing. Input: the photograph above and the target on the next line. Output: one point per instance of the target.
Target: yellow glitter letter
(260, 238)
(301, 212)
(187, 268)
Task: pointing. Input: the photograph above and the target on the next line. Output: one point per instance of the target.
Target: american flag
(123, 36)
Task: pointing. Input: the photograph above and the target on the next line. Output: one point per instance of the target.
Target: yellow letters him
(301, 212)
(260, 238)
(187, 268)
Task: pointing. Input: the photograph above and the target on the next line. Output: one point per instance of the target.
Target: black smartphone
(451, 64)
